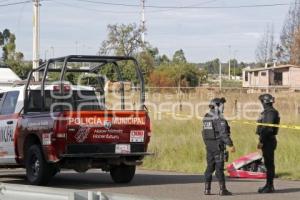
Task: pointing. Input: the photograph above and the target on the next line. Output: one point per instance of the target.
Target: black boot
(223, 190)
(268, 188)
(207, 188)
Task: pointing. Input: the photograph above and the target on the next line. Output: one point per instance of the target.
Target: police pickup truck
(48, 125)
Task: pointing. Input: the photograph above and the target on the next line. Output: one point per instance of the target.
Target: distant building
(281, 77)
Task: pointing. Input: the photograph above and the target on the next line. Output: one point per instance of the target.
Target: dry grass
(178, 145)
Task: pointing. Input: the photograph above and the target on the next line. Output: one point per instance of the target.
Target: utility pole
(229, 76)
(46, 53)
(235, 61)
(52, 50)
(36, 38)
(143, 21)
(220, 74)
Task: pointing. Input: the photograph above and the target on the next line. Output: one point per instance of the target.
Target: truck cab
(47, 125)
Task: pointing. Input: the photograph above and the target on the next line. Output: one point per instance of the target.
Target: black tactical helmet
(266, 98)
(217, 102)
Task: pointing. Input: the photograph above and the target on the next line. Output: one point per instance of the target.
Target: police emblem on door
(107, 124)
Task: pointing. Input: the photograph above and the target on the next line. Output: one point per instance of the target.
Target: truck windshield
(83, 100)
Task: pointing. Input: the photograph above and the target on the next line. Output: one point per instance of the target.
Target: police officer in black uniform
(216, 135)
(267, 139)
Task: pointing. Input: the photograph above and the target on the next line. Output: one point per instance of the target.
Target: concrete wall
(271, 78)
(290, 78)
(246, 83)
(286, 78)
(257, 79)
(294, 77)
(263, 79)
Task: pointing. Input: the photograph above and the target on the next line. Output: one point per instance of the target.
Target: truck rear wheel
(38, 171)
(122, 173)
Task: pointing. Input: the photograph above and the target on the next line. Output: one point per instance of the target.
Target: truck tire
(122, 173)
(38, 171)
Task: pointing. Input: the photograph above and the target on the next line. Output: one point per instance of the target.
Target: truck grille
(100, 148)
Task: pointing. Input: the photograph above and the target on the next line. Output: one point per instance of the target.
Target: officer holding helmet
(267, 139)
(216, 135)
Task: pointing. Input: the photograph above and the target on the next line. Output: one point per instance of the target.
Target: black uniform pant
(268, 154)
(215, 162)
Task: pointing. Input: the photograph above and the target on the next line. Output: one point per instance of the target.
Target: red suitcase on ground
(248, 166)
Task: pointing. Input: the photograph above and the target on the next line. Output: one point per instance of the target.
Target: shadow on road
(280, 191)
(103, 180)
(288, 190)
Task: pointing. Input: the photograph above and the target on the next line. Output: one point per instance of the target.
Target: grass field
(178, 146)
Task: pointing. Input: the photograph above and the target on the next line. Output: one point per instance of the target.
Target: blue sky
(203, 34)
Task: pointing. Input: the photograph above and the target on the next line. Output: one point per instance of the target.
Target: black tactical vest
(262, 119)
(208, 132)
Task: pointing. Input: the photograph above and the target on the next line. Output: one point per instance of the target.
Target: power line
(166, 10)
(15, 3)
(187, 7)
(91, 9)
(2, 1)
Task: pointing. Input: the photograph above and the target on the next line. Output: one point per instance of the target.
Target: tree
(234, 70)
(126, 40)
(179, 57)
(287, 38)
(7, 41)
(123, 40)
(12, 58)
(21, 68)
(212, 67)
(163, 59)
(9, 48)
(1, 39)
(177, 75)
(295, 49)
(266, 46)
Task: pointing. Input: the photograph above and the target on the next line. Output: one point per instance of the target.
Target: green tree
(21, 68)
(1, 39)
(177, 75)
(179, 57)
(163, 59)
(212, 67)
(9, 48)
(15, 60)
(122, 40)
(126, 40)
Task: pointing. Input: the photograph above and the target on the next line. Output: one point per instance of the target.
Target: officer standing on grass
(267, 139)
(216, 135)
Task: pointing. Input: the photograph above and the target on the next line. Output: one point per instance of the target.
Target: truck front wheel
(38, 171)
(122, 173)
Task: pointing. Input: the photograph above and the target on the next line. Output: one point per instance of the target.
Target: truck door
(8, 124)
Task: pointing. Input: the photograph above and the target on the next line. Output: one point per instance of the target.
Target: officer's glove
(232, 149)
(259, 145)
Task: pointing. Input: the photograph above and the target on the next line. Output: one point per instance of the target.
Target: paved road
(161, 185)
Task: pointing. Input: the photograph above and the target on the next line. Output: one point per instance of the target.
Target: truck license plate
(137, 136)
(123, 148)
